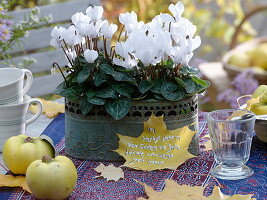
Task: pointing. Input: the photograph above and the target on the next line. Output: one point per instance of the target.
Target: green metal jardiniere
(93, 136)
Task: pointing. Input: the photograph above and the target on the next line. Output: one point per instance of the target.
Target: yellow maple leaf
(174, 191)
(14, 181)
(218, 195)
(51, 108)
(110, 172)
(157, 147)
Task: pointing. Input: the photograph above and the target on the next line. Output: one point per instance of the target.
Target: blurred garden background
(216, 21)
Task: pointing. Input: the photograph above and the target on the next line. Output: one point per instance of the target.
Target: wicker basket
(233, 70)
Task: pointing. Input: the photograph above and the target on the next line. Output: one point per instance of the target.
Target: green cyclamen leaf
(159, 97)
(72, 93)
(156, 88)
(180, 82)
(99, 79)
(107, 93)
(90, 94)
(84, 74)
(190, 85)
(85, 106)
(82, 59)
(171, 91)
(118, 108)
(201, 82)
(122, 76)
(145, 85)
(188, 70)
(59, 88)
(106, 69)
(96, 101)
(123, 89)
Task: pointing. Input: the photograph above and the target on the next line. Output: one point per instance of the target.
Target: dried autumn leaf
(51, 108)
(218, 195)
(110, 172)
(157, 147)
(14, 181)
(174, 191)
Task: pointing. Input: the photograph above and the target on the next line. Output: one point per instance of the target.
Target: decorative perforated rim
(141, 110)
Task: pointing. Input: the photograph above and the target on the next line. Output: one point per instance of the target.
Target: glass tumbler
(231, 132)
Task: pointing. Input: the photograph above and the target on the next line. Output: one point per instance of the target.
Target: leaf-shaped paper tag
(51, 108)
(157, 147)
(174, 191)
(110, 172)
(14, 181)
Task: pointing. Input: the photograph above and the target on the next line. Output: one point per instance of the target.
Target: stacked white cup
(14, 103)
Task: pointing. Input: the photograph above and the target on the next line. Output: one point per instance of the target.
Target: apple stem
(47, 159)
(29, 139)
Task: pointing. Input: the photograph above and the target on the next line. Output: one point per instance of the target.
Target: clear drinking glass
(231, 132)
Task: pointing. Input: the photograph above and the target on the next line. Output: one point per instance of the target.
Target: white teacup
(13, 118)
(11, 85)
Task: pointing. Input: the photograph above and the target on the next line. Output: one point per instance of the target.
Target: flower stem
(95, 44)
(170, 24)
(56, 65)
(67, 56)
(66, 46)
(89, 43)
(121, 33)
(105, 48)
(110, 52)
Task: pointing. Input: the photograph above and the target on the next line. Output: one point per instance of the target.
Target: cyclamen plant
(148, 61)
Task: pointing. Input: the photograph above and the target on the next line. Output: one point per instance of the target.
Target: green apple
(263, 98)
(259, 108)
(240, 59)
(259, 56)
(259, 91)
(258, 69)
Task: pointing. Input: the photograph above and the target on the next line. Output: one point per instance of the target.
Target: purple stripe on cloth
(195, 171)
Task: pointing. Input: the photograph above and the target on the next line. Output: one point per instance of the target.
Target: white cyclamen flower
(176, 54)
(177, 10)
(129, 20)
(71, 54)
(124, 50)
(71, 36)
(196, 42)
(85, 29)
(57, 36)
(146, 47)
(53, 71)
(108, 30)
(79, 17)
(127, 63)
(163, 18)
(95, 31)
(90, 55)
(95, 13)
